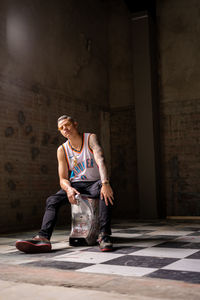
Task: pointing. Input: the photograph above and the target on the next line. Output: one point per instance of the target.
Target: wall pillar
(145, 96)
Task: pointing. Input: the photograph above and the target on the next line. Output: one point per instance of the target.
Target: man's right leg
(41, 242)
(53, 204)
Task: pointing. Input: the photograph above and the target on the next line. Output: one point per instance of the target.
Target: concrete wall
(123, 132)
(179, 44)
(52, 62)
(76, 58)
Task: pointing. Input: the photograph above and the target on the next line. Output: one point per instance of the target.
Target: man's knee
(95, 189)
(50, 202)
(56, 200)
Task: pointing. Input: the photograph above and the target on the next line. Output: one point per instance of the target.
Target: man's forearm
(103, 170)
(99, 158)
(65, 184)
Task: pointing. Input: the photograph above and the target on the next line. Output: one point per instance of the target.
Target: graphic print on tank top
(81, 163)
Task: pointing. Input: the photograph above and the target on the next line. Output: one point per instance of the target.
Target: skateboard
(84, 227)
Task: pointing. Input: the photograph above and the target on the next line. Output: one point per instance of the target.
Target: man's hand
(71, 193)
(107, 194)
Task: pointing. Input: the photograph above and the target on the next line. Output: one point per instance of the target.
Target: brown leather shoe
(37, 244)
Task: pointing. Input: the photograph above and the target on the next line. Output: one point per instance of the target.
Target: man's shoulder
(60, 147)
(90, 136)
(90, 133)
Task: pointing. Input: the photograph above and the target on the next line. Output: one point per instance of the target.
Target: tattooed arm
(106, 190)
(63, 173)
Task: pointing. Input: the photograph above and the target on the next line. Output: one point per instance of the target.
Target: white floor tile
(6, 249)
(170, 232)
(165, 252)
(114, 230)
(118, 270)
(126, 235)
(192, 265)
(19, 262)
(4, 240)
(11, 251)
(120, 245)
(61, 245)
(87, 257)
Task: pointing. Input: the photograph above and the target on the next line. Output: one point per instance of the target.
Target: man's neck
(76, 141)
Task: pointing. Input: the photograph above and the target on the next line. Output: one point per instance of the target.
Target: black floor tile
(191, 229)
(64, 265)
(122, 226)
(161, 237)
(192, 277)
(174, 245)
(141, 261)
(92, 249)
(126, 250)
(120, 250)
(122, 240)
(194, 256)
(196, 233)
(193, 246)
(157, 224)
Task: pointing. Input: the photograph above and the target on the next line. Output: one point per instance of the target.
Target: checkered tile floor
(165, 250)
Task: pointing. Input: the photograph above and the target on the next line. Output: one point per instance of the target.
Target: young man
(81, 169)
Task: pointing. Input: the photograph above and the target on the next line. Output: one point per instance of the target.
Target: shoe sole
(28, 247)
(106, 249)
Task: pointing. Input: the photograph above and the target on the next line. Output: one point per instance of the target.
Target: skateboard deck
(84, 227)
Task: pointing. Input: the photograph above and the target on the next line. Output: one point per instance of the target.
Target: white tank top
(81, 164)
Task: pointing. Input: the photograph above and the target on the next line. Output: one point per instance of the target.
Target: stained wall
(122, 109)
(76, 58)
(179, 73)
(52, 62)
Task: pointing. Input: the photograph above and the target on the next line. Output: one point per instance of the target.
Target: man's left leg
(92, 189)
(104, 239)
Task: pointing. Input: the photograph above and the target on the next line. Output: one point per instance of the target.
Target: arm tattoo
(99, 157)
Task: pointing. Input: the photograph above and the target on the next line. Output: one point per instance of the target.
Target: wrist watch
(105, 182)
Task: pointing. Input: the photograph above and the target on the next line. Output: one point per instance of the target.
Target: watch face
(105, 182)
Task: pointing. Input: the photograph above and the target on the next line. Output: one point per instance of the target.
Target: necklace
(75, 161)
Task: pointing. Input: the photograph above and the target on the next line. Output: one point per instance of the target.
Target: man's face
(67, 128)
